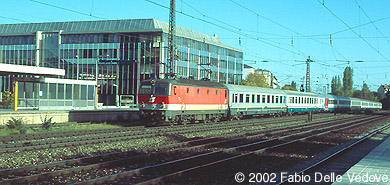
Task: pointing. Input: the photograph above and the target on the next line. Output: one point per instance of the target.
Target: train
(182, 101)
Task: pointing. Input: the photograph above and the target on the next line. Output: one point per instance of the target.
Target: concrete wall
(34, 117)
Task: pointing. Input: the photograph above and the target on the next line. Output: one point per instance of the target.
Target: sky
(335, 34)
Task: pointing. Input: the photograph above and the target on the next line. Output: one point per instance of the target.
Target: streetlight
(116, 94)
(96, 77)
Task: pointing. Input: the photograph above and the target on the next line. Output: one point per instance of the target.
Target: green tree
(357, 93)
(336, 86)
(367, 94)
(292, 87)
(255, 79)
(347, 81)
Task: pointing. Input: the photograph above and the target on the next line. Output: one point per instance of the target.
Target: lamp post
(96, 77)
(116, 94)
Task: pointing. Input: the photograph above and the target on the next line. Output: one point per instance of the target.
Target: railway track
(30, 142)
(133, 157)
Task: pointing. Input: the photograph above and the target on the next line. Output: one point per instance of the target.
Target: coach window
(235, 96)
(241, 98)
(276, 99)
(258, 98)
(247, 97)
(268, 98)
(253, 98)
(263, 101)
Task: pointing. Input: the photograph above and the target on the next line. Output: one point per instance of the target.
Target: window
(247, 97)
(235, 98)
(188, 90)
(161, 89)
(145, 89)
(258, 98)
(207, 91)
(263, 100)
(277, 99)
(175, 87)
(216, 91)
(253, 98)
(241, 98)
(272, 99)
(197, 91)
(225, 93)
(268, 98)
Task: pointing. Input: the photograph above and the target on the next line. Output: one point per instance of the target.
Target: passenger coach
(248, 100)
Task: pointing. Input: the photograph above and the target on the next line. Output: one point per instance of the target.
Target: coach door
(326, 104)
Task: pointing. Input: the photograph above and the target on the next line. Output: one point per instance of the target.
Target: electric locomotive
(181, 101)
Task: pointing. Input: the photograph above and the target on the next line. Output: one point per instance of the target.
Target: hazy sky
(282, 32)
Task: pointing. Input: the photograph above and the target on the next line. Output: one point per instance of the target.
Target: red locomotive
(181, 101)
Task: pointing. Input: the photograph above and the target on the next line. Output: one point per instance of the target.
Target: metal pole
(96, 81)
(16, 96)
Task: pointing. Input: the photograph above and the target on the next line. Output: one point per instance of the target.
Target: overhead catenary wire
(337, 17)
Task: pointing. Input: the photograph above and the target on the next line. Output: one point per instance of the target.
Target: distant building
(247, 70)
(382, 90)
(91, 62)
(272, 81)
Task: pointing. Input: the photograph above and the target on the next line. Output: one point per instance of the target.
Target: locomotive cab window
(188, 90)
(157, 89)
(145, 89)
(161, 89)
(197, 91)
(174, 90)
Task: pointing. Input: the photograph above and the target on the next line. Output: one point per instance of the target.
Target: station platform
(61, 116)
(374, 168)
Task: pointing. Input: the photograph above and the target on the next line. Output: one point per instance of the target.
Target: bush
(47, 123)
(7, 99)
(16, 124)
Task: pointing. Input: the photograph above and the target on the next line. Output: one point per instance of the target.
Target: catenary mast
(171, 65)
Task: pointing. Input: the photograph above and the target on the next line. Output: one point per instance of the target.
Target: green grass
(5, 131)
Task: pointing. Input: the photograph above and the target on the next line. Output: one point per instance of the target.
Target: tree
(367, 94)
(255, 79)
(347, 81)
(336, 86)
(292, 87)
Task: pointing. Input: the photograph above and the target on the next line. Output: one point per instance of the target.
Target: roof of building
(108, 26)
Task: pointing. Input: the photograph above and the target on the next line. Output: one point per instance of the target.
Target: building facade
(113, 56)
(272, 81)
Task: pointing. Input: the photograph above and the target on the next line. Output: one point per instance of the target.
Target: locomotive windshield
(161, 89)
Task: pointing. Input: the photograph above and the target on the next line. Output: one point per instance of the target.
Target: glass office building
(115, 54)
